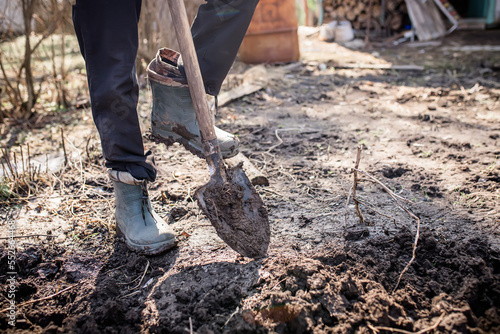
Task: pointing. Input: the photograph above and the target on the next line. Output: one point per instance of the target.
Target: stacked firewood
(360, 12)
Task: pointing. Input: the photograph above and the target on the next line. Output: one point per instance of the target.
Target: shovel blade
(237, 212)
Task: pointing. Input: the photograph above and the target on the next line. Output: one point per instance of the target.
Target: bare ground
(431, 136)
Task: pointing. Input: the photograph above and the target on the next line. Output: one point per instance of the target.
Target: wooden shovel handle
(193, 73)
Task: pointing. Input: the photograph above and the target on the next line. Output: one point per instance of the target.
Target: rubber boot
(173, 118)
(136, 222)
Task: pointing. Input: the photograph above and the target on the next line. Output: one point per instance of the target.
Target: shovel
(228, 199)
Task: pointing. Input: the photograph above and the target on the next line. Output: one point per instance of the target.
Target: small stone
(357, 234)
(60, 238)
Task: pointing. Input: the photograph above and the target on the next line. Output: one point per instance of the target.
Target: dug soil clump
(237, 212)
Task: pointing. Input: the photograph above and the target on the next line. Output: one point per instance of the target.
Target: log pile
(358, 12)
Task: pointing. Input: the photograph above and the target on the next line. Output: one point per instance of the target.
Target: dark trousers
(108, 37)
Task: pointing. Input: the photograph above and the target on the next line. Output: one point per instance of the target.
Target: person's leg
(218, 31)
(108, 37)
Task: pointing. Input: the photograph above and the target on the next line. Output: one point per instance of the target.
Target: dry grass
(20, 178)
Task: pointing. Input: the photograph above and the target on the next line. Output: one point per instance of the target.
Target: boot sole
(152, 249)
(196, 150)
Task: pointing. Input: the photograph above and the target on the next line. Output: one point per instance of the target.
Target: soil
(430, 136)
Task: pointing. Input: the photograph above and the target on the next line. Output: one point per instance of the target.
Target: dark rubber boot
(173, 118)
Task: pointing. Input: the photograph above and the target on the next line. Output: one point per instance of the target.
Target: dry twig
(64, 148)
(28, 236)
(274, 146)
(346, 204)
(44, 298)
(130, 294)
(376, 211)
(230, 317)
(283, 196)
(281, 140)
(376, 329)
(144, 274)
(389, 191)
(414, 251)
(114, 269)
(356, 204)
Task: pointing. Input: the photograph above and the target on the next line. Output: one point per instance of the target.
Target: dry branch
(414, 251)
(396, 199)
(346, 204)
(21, 88)
(28, 236)
(64, 148)
(376, 329)
(389, 191)
(356, 204)
(144, 274)
(375, 210)
(44, 298)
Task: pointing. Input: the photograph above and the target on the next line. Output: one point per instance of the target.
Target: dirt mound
(454, 285)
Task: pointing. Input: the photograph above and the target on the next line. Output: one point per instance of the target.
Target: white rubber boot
(141, 228)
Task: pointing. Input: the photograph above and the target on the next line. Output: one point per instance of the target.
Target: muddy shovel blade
(237, 212)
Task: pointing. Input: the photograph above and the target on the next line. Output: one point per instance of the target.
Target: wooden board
(426, 19)
(381, 67)
(254, 175)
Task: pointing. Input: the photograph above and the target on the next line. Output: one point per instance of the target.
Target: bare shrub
(17, 59)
